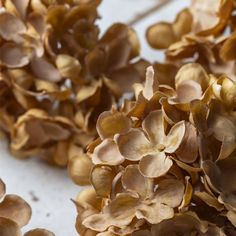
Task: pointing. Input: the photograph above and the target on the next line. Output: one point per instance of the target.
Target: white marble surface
(53, 209)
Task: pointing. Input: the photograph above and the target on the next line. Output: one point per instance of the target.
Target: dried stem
(148, 12)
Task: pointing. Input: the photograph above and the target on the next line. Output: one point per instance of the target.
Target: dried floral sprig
(165, 163)
(58, 74)
(203, 33)
(14, 214)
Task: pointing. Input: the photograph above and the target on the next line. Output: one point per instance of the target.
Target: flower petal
(10, 26)
(110, 123)
(39, 232)
(134, 181)
(9, 227)
(134, 145)
(175, 137)
(153, 125)
(45, 70)
(16, 209)
(107, 153)
(101, 179)
(154, 166)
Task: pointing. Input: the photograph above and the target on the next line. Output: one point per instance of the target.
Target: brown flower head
(164, 160)
(54, 65)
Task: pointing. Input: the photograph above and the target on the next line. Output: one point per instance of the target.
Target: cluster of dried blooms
(58, 75)
(203, 33)
(14, 214)
(165, 163)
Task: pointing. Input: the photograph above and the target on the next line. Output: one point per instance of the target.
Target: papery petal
(45, 70)
(120, 212)
(111, 123)
(9, 227)
(39, 232)
(101, 179)
(154, 166)
(80, 167)
(153, 125)
(134, 181)
(16, 209)
(14, 56)
(10, 26)
(107, 153)
(134, 145)
(175, 137)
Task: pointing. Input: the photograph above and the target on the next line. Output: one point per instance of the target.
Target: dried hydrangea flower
(208, 37)
(55, 65)
(164, 163)
(14, 214)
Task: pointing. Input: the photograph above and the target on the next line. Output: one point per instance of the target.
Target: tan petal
(192, 71)
(110, 123)
(87, 198)
(134, 181)
(10, 26)
(227, 147)
(161, 35)
(120, 212)
(16, 209)
(188, 150)
(60, 156)
(188, 91)
(68, 66)
(107, 153)
(187, 194)
(175, 137)
(223, 126)
(213, 175)
(39, 232)
(228, 93)
(134, 41)
(169, 192)
(154, 213)
(180, 224)
(232, 217)
(101, 179)
(210, 17)
(9, 228)
(227, 51)
(134, 145)
(13, 55)
(199, 112)
(154, 166)
(45, 70)
(170, 112)
(153, 125)
(80, 167)
(151, 83)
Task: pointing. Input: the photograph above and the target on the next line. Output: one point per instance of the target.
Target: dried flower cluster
(14, 214)
(165, 163)
(203, 33)
(58, 75)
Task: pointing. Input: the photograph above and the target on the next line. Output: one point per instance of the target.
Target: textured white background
(54, 210)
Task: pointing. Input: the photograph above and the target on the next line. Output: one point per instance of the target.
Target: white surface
(54, 210)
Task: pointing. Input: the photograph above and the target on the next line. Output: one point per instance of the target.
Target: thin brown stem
(148, 12)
